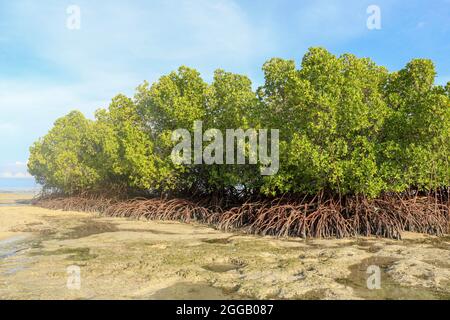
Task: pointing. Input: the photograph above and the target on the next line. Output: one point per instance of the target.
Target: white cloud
(324, 20)
(117, 36)
(32, 100)
(420, 24)
(15, 175)
(16, 170)
(8, 129)
(118, 46)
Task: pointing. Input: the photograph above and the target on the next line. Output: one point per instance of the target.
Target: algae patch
(90, 227)
(75, 254)
(221, 267)
(218, 241)
(390, 290)
(193, 291)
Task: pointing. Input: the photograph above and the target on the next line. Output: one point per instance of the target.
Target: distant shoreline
(20, 191)
(15, 185)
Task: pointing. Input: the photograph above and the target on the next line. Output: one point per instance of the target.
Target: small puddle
(75, 254)
(315, 294)
(218, 241)
(11, 246)
(14, 270)
(390, 290)
(16, 203)
(192, 291)
(147, 230)
(90, 227)
(7, 253)
(221, 267)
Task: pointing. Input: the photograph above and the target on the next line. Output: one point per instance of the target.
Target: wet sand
(129, 259)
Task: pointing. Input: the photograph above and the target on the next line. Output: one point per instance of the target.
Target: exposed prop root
(386, 216)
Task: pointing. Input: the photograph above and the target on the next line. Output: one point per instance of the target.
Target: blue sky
(46, 69)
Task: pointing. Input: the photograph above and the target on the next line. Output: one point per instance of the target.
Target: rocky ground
(128, 259)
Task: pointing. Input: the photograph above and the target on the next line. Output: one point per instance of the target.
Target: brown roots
(387, 216)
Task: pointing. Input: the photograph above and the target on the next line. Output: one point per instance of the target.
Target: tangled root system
(387, 216)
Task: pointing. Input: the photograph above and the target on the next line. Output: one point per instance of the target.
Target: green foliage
(173, 102)
(231, 104)
(125, 157)
(416, 135)
(331, 112)
(347, 126)
(63, 159)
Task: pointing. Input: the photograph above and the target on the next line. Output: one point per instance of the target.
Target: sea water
(18, 185)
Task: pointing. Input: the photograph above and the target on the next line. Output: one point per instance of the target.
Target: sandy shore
(15, 198)
(126, 259)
